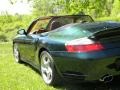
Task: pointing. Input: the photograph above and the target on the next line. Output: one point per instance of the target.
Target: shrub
(3, 38)
(10, 24)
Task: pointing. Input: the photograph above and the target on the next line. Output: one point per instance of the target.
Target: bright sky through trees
(20, 7)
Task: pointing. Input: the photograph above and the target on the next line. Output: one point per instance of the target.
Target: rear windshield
(75, 31)
(70, 33)
(97, 26)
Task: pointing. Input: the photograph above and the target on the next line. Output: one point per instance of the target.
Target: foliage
(42, 7)
(10, 24)
(109, 19)
(3, 38)
(96, 8)
(116, 8)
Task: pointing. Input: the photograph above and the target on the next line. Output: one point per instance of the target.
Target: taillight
(79, 46)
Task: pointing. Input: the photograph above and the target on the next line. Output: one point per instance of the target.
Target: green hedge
(109, 19)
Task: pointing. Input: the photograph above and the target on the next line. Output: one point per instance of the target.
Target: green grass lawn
(14, 76)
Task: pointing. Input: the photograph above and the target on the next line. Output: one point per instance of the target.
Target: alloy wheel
(47, 68)
(16, 53)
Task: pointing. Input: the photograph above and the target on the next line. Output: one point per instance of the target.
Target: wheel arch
(41, 50)
(39, 53)
(44, 49)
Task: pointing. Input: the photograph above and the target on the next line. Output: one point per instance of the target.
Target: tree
(96, 8)
(43, 7)
(116, 8)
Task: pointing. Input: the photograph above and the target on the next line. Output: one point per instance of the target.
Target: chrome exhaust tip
(106, 78)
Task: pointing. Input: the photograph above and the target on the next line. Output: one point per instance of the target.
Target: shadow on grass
(73, 85)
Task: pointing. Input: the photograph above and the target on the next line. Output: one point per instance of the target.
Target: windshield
(39, 25)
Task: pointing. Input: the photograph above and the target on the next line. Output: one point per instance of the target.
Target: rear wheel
(48, 70)
(16, 53)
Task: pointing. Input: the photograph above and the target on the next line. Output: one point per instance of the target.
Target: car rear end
(94, 57)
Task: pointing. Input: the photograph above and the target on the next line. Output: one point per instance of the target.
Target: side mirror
(22, 32)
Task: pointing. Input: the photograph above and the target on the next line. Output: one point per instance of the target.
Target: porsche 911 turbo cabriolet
(70, 46)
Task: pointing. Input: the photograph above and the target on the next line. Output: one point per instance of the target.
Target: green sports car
(70, 46)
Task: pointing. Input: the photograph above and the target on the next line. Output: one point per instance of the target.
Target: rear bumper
(86, 66)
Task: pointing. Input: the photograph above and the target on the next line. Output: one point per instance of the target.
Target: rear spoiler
(105, 33)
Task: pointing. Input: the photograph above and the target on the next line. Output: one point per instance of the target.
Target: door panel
(29, 47)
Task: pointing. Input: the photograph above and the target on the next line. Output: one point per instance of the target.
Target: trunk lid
(109, 38)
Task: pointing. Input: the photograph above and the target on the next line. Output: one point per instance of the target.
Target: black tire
(48, 70)
(16, 53)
